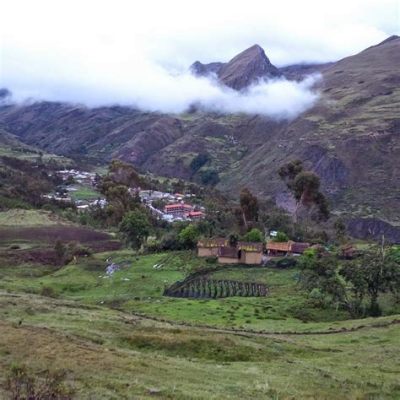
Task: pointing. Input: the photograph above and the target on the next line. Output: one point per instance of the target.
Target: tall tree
(188, 236)
(376, 272)
(305, 187)
(352, 284)
(254, 235)
(249, 206)
(135, 227)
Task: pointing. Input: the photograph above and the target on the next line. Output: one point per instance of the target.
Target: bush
(318, 298)
(21, 385)
(209, 177)
(198, 161)
(286, 263)
(254, 235)
(170, 241)
(76, 249)
(48, 291)
(188, 236)
(302, 314)
(281, 237)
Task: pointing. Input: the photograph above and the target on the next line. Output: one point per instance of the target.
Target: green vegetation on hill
(349, 138)
(20, 217)
(78, 319)
(26, 174)
(138, 287)
(135, 356)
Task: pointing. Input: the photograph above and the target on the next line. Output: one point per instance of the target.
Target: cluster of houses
(251, 253)
(71, 178)
(82, 177)
(176, 207)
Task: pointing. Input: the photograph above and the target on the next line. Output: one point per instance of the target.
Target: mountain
(350, 137)
(297, 72)
(244, 69)
(200, 69)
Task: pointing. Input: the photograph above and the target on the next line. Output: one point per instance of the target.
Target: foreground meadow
(118, 337)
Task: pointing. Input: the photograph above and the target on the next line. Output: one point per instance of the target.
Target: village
(171, 207)
(79, 188)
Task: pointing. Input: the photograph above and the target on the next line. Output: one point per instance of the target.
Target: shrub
(198, 161)
(286, 263)
(209, 177)
(281, 237)
(22, 385)
(48, 291)
(318, 298)
(188, 236)
(170, 241)
(255, 235)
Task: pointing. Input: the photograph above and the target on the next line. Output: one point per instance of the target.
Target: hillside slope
(350, 137)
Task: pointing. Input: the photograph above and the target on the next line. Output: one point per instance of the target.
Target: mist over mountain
(249, 83)
(348, 133)
(134, 56)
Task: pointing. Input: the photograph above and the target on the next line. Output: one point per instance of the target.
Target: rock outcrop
(243, 70)
(373, 228)
(246, 68)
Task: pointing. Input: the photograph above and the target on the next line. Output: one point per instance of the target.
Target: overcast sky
(138, 52)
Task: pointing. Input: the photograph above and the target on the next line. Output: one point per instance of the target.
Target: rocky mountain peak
(241, 71)
(247, 67)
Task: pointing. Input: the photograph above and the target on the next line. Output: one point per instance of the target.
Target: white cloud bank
(137, 53)
(155, 89)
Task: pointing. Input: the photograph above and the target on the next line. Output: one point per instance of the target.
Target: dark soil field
(51, 234)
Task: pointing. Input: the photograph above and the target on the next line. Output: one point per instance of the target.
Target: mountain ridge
(350, 137)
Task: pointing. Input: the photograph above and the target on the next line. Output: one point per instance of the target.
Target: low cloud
(150, 87)
(279, 99)
(122, 52)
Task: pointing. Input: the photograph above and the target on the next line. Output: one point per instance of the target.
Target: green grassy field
(109, 354)
(84, 192)
(118, 337)
(18, 217)
(138, 288)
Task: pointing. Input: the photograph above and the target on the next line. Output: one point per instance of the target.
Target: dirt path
(235, 331)
(260, 333)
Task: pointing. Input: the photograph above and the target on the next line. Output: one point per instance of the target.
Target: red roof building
(178, 209)
(194, 215)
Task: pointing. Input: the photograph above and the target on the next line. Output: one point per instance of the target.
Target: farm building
(250, 252)
(228, 255)
(209, 247)
(286, 248)
(279, 248)
(299, 247)
(243, 253)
